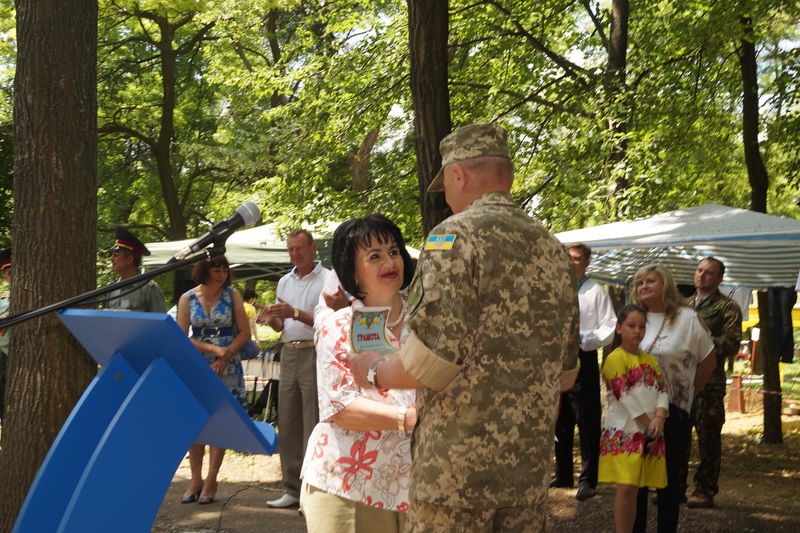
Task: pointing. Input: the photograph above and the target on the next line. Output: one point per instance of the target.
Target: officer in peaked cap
(5, 302)
(126, 256)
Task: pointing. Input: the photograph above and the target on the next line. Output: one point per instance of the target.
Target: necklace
(656, 338)
(400, 316)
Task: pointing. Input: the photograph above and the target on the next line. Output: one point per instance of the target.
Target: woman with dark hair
(358, 461)
(219, 329)
(678, 339)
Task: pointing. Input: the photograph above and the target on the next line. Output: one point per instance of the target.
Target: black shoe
(700, 500)
(584, 492)
(557, 483)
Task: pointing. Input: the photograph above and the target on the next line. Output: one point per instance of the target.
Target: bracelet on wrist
(659, 415)
(401, 418)
(372, 374)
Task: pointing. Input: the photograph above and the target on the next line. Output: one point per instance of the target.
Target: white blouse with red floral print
(635, 387)
(373, 467)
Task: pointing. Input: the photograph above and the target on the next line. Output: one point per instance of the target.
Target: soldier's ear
(460, 177)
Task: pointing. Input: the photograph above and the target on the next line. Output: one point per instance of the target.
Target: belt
(299, 345)
(205, 331)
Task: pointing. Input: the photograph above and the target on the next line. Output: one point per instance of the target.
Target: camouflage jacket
(724, 319)
(494, 317)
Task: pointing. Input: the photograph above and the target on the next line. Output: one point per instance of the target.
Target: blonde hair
(671, 298)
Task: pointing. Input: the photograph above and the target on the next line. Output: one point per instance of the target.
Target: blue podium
(114, 458)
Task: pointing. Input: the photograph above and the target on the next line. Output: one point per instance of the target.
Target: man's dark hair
(357, 232)
(586, 252)
(137, 259)
(201, 268)
(300, 231)
(717, 261)
(249, 293)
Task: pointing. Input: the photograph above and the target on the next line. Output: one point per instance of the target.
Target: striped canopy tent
(759, 251)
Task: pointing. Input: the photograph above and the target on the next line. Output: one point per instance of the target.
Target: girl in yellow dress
(632, 453)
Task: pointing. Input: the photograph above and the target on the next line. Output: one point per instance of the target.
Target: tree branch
(528, 98)
(565, 64)
(596, 22)
(127, 131)
(682, 57)
(197, 37)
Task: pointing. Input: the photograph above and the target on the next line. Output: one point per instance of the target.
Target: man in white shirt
(581, 404)
(293, 314)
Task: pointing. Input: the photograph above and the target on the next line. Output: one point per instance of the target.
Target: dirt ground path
(759, 492)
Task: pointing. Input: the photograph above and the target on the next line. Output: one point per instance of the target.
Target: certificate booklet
(368, 331)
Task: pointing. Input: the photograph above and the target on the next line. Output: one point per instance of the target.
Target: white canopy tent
(759, 251)
(255, 253)
(258, 252)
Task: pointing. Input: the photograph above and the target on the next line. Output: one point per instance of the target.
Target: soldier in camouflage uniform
(724, 319)
(126, 256)
(494, 330)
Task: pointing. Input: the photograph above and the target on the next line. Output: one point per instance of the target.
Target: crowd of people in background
(491, 356)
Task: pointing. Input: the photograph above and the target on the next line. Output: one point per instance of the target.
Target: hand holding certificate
(368, 330)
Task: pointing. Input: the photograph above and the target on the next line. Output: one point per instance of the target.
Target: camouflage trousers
(708, 417)
(429, 518)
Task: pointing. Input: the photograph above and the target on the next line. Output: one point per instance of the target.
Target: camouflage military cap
(475, 140)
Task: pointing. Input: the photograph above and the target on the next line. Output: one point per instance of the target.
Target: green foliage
(7, 55)
(543, 67)
(279, 101)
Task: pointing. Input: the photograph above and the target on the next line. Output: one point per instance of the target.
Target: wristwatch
(372, 374)
(296, 313)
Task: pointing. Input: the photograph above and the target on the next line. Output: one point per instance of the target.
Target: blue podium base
(112, 462)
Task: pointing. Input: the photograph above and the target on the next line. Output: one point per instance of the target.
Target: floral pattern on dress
(636, 386)
(369, 467)
(643, 374)
(221, 317)
(615, 441)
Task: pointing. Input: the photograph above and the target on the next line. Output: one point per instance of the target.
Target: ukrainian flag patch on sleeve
(440, 242)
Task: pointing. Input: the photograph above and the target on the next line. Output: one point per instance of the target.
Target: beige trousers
(329, 513)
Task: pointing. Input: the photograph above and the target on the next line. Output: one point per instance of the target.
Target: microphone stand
(217, 250)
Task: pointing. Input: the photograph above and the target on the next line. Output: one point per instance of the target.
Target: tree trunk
(427, 35)
(773, 433)
(756, 172)
(166, 136)
(54, 229)
(759, 183)
(616, 93)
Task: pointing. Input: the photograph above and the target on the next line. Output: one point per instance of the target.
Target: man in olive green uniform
(5, 303)
(724, 319)
(493, 314)
(126, 256)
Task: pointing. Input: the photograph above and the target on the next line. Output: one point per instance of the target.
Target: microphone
(245, 215)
